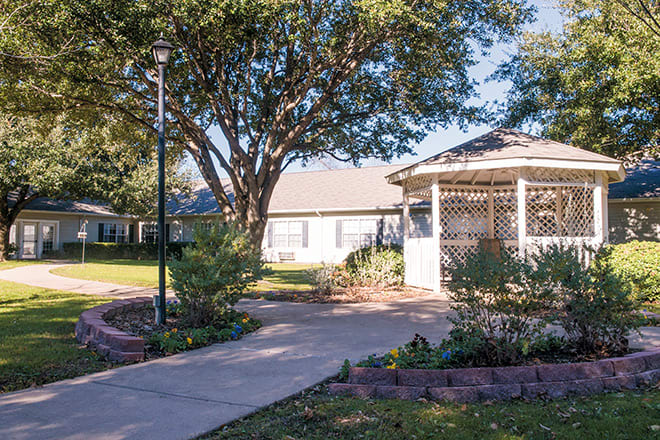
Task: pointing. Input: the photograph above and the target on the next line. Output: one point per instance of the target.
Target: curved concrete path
(185, 395)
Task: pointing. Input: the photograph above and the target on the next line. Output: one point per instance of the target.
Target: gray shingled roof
(351, 189)
(642, 181)
(68, 206)
(507, 143)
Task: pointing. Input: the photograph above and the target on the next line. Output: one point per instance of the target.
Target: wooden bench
(286, 256)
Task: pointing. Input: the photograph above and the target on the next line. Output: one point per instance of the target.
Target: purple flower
(238, 328)
(233, 335)
(446, 355)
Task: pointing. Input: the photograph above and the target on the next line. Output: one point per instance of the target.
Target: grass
(144, 273)
(37, 343)
(316, 415)
(10, 264)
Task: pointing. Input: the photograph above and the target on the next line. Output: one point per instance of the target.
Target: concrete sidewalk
(182, 396)
(39, 275)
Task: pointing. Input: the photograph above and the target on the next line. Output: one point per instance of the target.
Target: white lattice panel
(463, 214)
(559, 175)
(577, 212)
(505, 214)
(456, 253)
(560, 211)
(541, 211)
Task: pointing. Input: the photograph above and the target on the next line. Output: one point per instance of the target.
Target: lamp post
(161, 50)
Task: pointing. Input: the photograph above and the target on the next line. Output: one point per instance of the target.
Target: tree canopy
(284, 80)
(596, 84)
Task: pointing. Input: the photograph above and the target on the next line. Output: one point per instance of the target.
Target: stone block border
(530, 382)
(108, 341)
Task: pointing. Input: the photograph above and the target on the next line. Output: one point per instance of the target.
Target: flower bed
(503, 383)
(124, 331)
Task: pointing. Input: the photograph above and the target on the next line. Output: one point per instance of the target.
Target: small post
(160, 319)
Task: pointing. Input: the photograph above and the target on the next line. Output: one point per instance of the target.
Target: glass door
(29, 242)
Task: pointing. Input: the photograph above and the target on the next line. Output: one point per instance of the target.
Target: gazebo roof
(505, 148)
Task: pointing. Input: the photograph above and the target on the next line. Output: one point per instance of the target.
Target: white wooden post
(406, 215)
(560, 211)
(600, 210)
(491, 213)
(435, 210)
(522, 217)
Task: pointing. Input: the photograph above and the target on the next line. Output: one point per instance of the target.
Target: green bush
(638, 264)
(213, 273)
(499, 312)
(114, 251)
(375, 266)
(322, 278)
(592, 303)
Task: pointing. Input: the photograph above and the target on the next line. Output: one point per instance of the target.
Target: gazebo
(521, 190)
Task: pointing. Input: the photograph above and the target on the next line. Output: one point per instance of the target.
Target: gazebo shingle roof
(507, 143)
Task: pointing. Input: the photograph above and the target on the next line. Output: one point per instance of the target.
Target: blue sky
(547, 18)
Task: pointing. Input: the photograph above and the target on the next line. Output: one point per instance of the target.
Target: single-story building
(314, 216)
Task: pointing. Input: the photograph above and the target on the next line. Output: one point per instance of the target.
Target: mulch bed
(343, 296)
(141, 322)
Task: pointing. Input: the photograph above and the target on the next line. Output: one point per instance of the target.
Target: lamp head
(161, 50)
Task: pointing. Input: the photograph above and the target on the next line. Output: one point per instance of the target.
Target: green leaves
(595, 85)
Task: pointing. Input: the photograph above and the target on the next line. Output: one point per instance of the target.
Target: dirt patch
(343, 296)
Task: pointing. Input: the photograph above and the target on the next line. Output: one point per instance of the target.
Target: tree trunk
(4, 239)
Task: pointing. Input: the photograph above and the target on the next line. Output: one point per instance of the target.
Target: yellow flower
(174, 330)
(189, 340)
(392, 366)
(244, 321)
(394, 352)
(167, 334)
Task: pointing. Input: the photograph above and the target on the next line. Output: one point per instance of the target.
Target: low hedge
(113, 251)
(638, 263)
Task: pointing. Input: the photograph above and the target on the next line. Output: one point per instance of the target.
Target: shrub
(376, 266)
(214, 272)
(323, 278)
(499, 314)
(113, 251)
(591, 302)
(637, 263)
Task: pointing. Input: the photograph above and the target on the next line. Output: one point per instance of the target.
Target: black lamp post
(161, 50)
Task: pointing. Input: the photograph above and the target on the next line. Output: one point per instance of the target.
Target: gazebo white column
(435, 213)
(406, 215)
(600, 210)
(522, 214)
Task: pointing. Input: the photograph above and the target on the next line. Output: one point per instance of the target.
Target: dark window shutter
(379, 233)
(339, 234)
(269, 225)
(167, 232)
(131, 233)
(305, 234)
(100, 233)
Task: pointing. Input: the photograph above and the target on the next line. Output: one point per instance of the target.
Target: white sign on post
(82, 234)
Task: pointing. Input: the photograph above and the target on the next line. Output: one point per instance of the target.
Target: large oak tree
(283, 80)
(595, 84)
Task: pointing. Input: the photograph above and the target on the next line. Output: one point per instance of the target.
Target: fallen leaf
(545, 427)
(654, 427)
(494, 426)
(577, 425)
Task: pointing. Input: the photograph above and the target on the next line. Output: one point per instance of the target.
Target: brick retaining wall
(503, 383)
(108, 341)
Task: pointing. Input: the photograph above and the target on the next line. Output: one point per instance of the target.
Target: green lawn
(144, 273)
(10, 264)
(37, 343)
(315, 415)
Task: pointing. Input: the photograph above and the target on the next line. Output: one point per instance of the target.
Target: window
(48, 238)
(115, 233)
(288, 234)
(359, 233)
(149, 233)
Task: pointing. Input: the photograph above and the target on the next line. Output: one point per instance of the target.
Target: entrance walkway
(182, 396)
